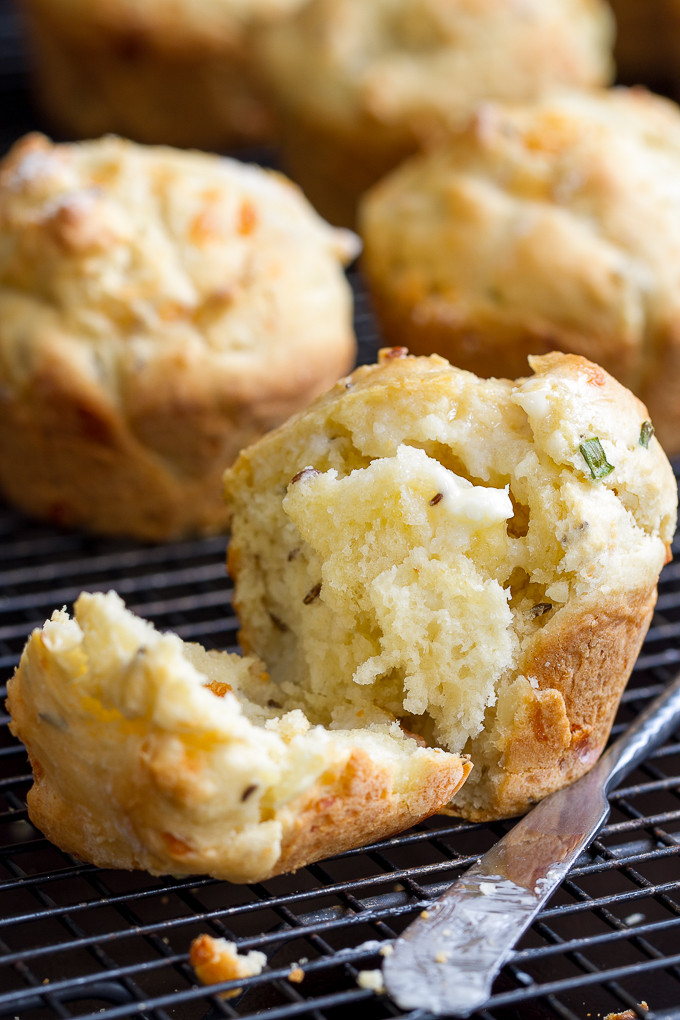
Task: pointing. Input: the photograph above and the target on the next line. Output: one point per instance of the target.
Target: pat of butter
(477, 505)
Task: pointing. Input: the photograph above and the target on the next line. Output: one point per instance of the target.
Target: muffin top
(419, 62)
(565, 211)
(120, 255)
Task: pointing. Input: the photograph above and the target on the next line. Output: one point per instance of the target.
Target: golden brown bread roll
(159, 310)
(151, 753)
(551, 225)
(359, 85)
(478, 558)
(173, 72)
(432, 571)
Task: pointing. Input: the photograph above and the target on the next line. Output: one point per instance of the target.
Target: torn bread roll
(159, 310)
(172, 72)
(476, 557)
(151, 753)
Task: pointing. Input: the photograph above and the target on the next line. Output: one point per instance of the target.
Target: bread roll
(359, 85)
(478, 558)
(551, 225)
(174, 72)
(158, 311)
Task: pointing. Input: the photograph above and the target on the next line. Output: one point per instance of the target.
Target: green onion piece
(646, 433)
(595, 458)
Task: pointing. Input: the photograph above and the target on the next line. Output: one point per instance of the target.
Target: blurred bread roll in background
(547, 226)
(359, 85)
(177, 72)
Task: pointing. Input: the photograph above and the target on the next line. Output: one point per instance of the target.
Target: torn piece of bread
(158, 311)
(476, 557)
(155, 754)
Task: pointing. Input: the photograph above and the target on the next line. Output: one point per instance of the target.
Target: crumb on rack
(633, 919)
(371, 979)
(216, 960)
(628, 1014)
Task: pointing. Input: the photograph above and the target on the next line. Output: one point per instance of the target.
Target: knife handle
(654, 725)
(474, 929)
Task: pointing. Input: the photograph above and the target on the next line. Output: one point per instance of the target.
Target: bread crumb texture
(153, 320)
(432, 547)
(626, 1014)
(372, 980)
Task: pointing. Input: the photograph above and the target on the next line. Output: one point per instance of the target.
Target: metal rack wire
(79, 942)
(76, 941)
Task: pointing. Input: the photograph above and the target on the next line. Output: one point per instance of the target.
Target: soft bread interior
(414, 607)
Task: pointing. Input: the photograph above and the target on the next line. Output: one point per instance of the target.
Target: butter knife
(446, 960)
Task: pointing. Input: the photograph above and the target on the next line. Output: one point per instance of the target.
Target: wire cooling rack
(76, 941)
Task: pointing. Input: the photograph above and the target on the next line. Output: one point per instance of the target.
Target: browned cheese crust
(356, 806)
(581, 665)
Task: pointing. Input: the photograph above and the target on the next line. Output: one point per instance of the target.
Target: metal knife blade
(446, 960)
